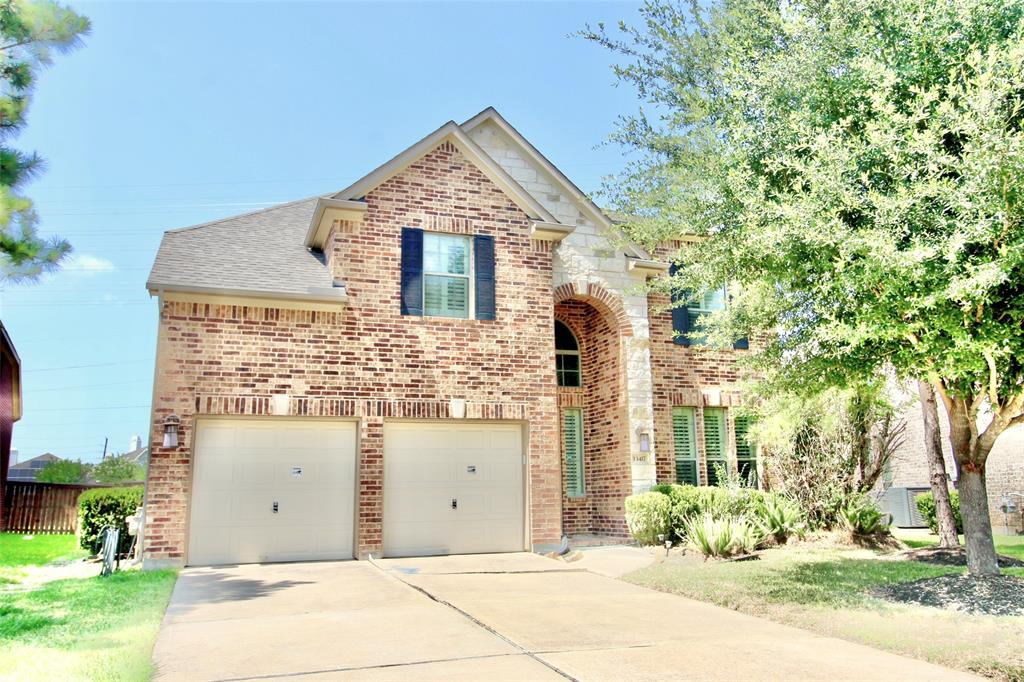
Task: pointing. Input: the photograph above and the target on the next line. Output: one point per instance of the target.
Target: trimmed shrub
(722, 537)
(861, 516)
(647, 516)
(688, 502)
(102, 507)
(926, 505)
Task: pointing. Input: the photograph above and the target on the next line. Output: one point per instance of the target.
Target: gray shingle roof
(260, 252)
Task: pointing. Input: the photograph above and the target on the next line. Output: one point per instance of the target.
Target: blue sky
(176, 114)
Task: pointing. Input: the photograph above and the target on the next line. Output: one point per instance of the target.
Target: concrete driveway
(493, 617)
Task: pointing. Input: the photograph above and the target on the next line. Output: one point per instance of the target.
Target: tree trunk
(970, 455)
(981, 551)
(937, 466)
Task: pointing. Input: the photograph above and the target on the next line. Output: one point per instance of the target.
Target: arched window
(567, 356)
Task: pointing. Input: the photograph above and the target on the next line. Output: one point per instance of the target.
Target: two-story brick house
(454, 354)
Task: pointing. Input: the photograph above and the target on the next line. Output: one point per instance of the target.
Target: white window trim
(470, 276)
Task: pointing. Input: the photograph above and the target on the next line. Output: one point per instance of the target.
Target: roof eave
(341, 208)
(320, 295)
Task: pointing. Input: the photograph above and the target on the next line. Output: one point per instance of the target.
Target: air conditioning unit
(900, 503)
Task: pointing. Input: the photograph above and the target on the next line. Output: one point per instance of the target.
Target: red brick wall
(603, 400)
(368, 361)
(683, 376)
(6, 422)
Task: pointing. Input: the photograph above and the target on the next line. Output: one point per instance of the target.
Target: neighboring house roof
(274, 252)
(138, 455)
(259, 253)
(27, 470)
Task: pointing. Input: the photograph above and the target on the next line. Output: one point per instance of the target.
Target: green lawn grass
(1010, 545)
(827, 590)
(78, 629)
(36, 550)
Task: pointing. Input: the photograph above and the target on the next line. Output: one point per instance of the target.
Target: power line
(89, 409)
(70, 388)
(99, 364)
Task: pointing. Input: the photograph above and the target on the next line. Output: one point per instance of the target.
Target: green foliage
(30, 32)
(775, 515)
(84, 628)
(779, 518)
(647, 517)
(823, 448)
(63, 471)
(722, 536)
(17, 549)
(102, 507)
(926, 506)
(853, 170)
(861, 516)
(118, 470)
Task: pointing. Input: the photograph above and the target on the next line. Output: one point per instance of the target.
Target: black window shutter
(680, 314)
(483, 264)
(412, 271)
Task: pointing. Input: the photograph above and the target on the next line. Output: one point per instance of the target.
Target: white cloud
(84, 264)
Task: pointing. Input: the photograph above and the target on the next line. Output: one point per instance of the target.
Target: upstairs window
(446, 275)
(567, 357)
(686, 315)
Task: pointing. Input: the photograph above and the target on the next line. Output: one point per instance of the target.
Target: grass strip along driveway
(76, 629)
(829, 590)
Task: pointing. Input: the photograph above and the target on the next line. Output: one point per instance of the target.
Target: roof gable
(452, 133)
(579, 199)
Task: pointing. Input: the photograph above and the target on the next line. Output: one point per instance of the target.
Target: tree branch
(993, 381)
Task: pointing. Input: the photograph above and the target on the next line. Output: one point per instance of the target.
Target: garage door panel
(427, 465)
(243, 466)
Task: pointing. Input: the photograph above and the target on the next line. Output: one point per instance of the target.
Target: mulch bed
(998, 595)
(956, 556)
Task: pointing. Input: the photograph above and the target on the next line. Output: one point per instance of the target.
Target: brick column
(370, 504)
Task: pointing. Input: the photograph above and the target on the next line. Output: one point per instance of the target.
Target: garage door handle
(455, 503)
(274, 507)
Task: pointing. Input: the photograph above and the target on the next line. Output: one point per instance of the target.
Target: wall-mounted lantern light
(644, 438)
(171, 431)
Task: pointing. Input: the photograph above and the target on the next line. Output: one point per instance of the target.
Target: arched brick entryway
(599, 324)
(598, 297)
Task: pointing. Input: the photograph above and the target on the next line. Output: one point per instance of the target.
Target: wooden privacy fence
(43, 507)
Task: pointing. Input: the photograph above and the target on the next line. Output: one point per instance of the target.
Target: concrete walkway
(493, 617)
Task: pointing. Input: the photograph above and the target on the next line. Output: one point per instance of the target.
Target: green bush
(926, 505)
(861, 516)
(722, 536)
(647, 516)
(102, 507)
(780, 517)
(689, 502)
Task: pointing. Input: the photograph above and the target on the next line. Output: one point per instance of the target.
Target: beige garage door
(272, 490)
(453, 488)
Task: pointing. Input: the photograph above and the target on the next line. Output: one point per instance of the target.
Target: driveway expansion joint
(476, 620)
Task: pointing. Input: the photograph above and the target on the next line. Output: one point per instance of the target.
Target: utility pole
(105, 440)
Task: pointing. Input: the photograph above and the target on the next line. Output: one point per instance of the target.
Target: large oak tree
(856, 169)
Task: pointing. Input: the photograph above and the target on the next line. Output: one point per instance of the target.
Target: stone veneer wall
(607, 474)
(367, 361)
